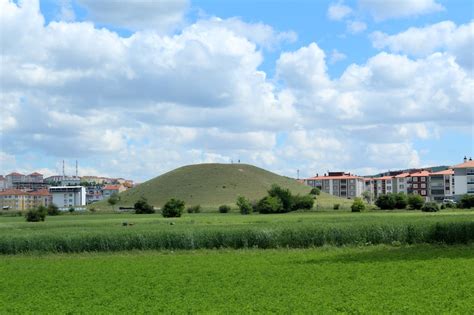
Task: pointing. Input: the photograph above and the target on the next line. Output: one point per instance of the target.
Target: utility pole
(297, 174)
(64, 172)
(77, 170)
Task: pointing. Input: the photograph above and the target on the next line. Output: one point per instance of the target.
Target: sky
(134, 89)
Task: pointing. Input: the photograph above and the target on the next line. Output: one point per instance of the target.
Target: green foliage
(315, 191)
(269, 204)
(368, 196)
(430, 207)
(224, 209)
(415, 202)
(466, 201)
(358, 205)
(401, 200)
(173, 208)
(302, 202)
(336, 206)
(194, 209)
(53, 209)
(244, 205)
(386, 202)
(113, 200)
(71, 209)
(143, 207)
(284, 195)
(36, 214)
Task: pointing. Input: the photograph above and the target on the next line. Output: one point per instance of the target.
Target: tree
(315, 191)
(53, 209)
(385, 202)
(430, 207)
(269, 204)
(401, 200)
(244, 205)
(224, 209)
(284, 195)
(358, 205)
(143, 207)
(466, 201)
(415, 201)
(36, 214)
(173, 208)
(368, 196)
(113, 200)
(302, 202)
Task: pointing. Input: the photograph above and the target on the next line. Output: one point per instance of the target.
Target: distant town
(22, 192)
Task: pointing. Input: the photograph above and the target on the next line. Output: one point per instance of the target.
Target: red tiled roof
(19, 192)
(420, 174)
(445, 172)
(334, 177)
(465, 165)
(111, 187)
(403, 175)
(35, 174)
(41, 192)
(15, 174)
(383, 178)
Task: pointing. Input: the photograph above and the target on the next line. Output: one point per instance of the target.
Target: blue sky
(135, 89)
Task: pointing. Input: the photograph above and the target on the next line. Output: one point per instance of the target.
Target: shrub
(269, 204)
(315, 191)
(443, 207)
(53, 209)
(430, 207)
(401, 200)
(36, 215)
(385, 202)
(92, 209)
(194, 209)
(244, 205)
(466, 202)
(284, 195)
(415, 201)
(224, 209)
(71, 209)
(336, 206)
(173, 208)
(302, 202)
(143, 207)
(113, 200)
(358, 205)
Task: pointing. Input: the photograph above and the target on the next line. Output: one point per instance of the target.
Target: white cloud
(355, 27)
(442, 36)
(160, 16)
(389, 9)
(336, 56)
(338, 11)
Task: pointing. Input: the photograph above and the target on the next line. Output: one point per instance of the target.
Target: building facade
(441, 185)
(419, 184)
(16, 199)
(68, 196)
(338, 184)
(463, 179)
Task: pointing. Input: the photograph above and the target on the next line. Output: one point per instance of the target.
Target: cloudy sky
(135, 89)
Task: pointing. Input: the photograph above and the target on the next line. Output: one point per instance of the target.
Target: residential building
(3, 183)
(109, 190)
(59, 180)
(401, 183)
(94, 193)
(13, 178)
(463, 178)
(16, 199)
(339, 184)
(441, 185)
(381, 185)
(419, 182)
(68, 196)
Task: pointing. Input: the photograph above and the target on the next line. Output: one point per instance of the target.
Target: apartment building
(441, 185)
(16, 199)
(59, 180)
(463, 178)
(109, 190)
(401, 183)
(419, 182)
(68, 196)
(3, 183)
(339, 184)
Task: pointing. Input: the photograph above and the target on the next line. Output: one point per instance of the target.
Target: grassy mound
(210, 185)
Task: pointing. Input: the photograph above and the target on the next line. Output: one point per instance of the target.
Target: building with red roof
(463, 178)
(17, 199)
(339, 184)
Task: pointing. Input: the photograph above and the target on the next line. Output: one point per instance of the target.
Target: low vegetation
(36, 215)
(430, 207)
(224, 209)
(399, 201)
(194, 209)
(143, 207)
(173, 208)
(358, 205)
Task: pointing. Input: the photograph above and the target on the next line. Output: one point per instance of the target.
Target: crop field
(372, 279)
(118, 232)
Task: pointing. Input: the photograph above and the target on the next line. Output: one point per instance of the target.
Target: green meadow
(371, 279)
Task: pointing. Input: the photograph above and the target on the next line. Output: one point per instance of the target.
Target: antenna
(64, 172)
(297, 174)
(76, 169)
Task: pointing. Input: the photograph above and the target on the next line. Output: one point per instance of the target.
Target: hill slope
(209, 185)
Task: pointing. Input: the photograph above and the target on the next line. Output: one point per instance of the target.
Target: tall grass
(243, 237)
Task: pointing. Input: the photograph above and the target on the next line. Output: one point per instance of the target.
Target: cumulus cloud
(338, 11)
(389, 9)
(355, 27)
(336, 56)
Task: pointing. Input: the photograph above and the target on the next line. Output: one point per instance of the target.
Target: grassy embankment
(105, 232)
(422, 279)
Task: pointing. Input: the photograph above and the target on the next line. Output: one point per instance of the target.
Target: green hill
(210, 185)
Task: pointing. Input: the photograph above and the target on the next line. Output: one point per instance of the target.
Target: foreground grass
(70, 233)
(374, 279)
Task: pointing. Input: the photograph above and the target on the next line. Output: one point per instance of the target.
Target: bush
(269, 204)
(143, 207)
(358, 205)
(36, 215)
(71, 209)
(386, 202)
(401, 200)
(194, 209)
(53, 209)
(284, 195)
(336, 206)
(466, 202)
(415, 201)
(224, 209)
(443, 207)
(315, 191)
(302, 202)
(244, 205)
(173, 208)
(430, 207)
(449, 205)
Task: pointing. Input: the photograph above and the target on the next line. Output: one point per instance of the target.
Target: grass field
(105, 232)
(375, 279)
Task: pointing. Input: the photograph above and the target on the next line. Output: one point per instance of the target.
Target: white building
(68, 196)
(463, 178)
(441, 185)
(339, 184)
(401, 183)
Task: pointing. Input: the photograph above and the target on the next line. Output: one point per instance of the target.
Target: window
(423, 185)
(415, 185)
(423, 192)
(402, 186)
(423, 179)
(401, 180)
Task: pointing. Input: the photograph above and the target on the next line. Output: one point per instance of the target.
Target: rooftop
(467, 164)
